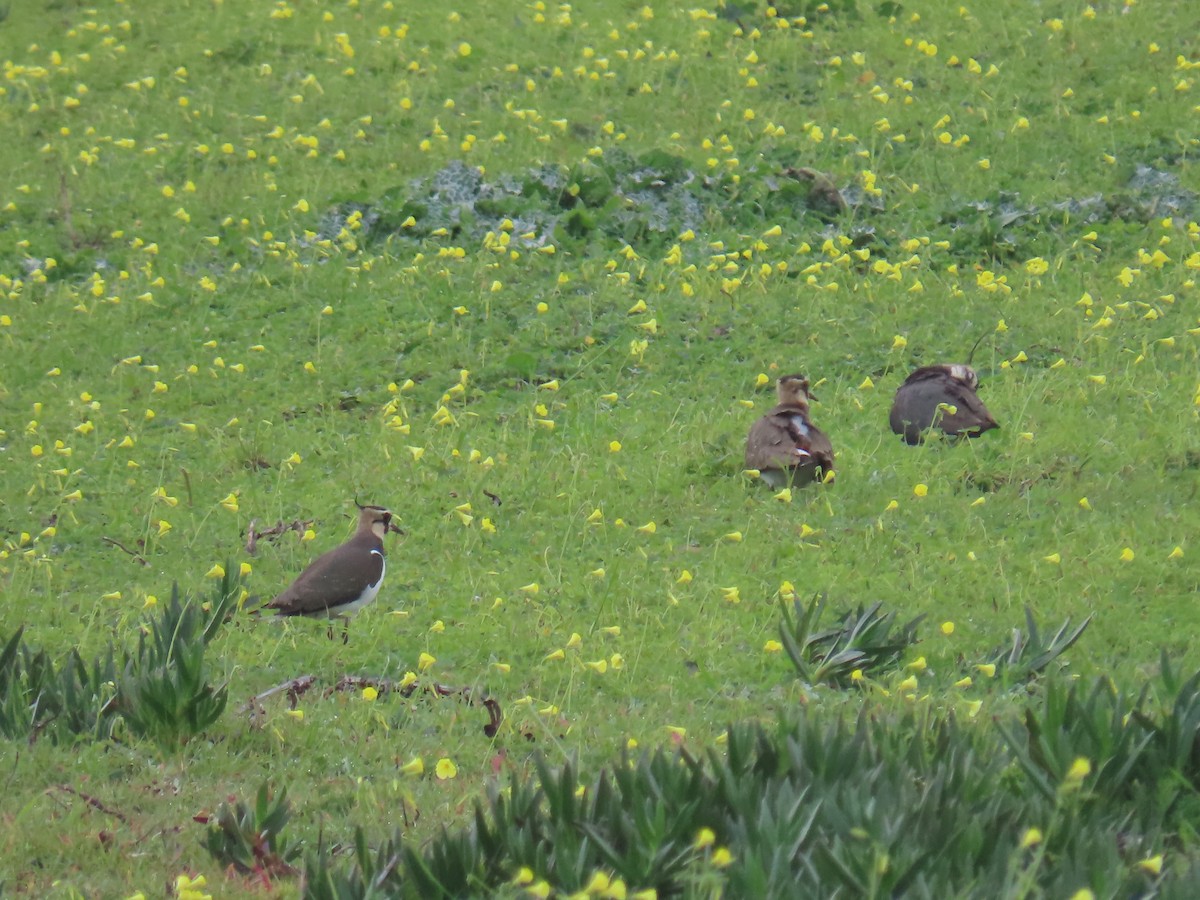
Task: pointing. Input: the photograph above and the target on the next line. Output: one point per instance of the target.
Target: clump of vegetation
(1031, 652)
(369, 873)
(163, 690)
(250, 837)
(41, 699)
(887, 802)
(864, 640)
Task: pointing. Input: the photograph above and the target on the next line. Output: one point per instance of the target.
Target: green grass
(189, 172)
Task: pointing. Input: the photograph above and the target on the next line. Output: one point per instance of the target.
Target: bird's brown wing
(784, 438)
(970, 416)
(769, 444)
(819, 448)
(322, 586)
(913, 408)
(938, 374)
(919, 404)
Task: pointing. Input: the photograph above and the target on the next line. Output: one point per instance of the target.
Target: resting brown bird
(823, 195)
(784, 446)
(943, 397)
(339, 583)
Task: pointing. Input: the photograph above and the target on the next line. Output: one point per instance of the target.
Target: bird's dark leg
(346, 631)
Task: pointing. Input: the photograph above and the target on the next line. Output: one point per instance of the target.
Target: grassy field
(526, 274)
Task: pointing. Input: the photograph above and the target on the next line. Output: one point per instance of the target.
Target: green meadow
(526, 273)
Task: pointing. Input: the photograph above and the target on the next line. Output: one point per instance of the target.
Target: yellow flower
(188, 888)
(648, 528)
(1030, 838)
(947, 628)
(415, 766)
(445, 769)
(772, 647)
(920, 490)
(1127, 555)
(988, 670)
(425, 662)
(1080, 769)
(722, 857)
(704, 838)
(1053, 558)
(598, 883)
(1151, 865)
(369, 693)
(217, 571)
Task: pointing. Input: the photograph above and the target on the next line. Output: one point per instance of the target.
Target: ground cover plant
(525, 274)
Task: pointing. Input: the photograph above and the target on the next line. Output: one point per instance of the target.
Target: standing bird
(942, 397)
(342, 581)
(784, 446)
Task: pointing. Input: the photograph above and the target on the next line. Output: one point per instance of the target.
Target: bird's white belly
(368, 595)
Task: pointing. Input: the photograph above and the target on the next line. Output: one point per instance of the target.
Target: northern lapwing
(823, 195)
(941, 397)
(342, 581)
(784, 446)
